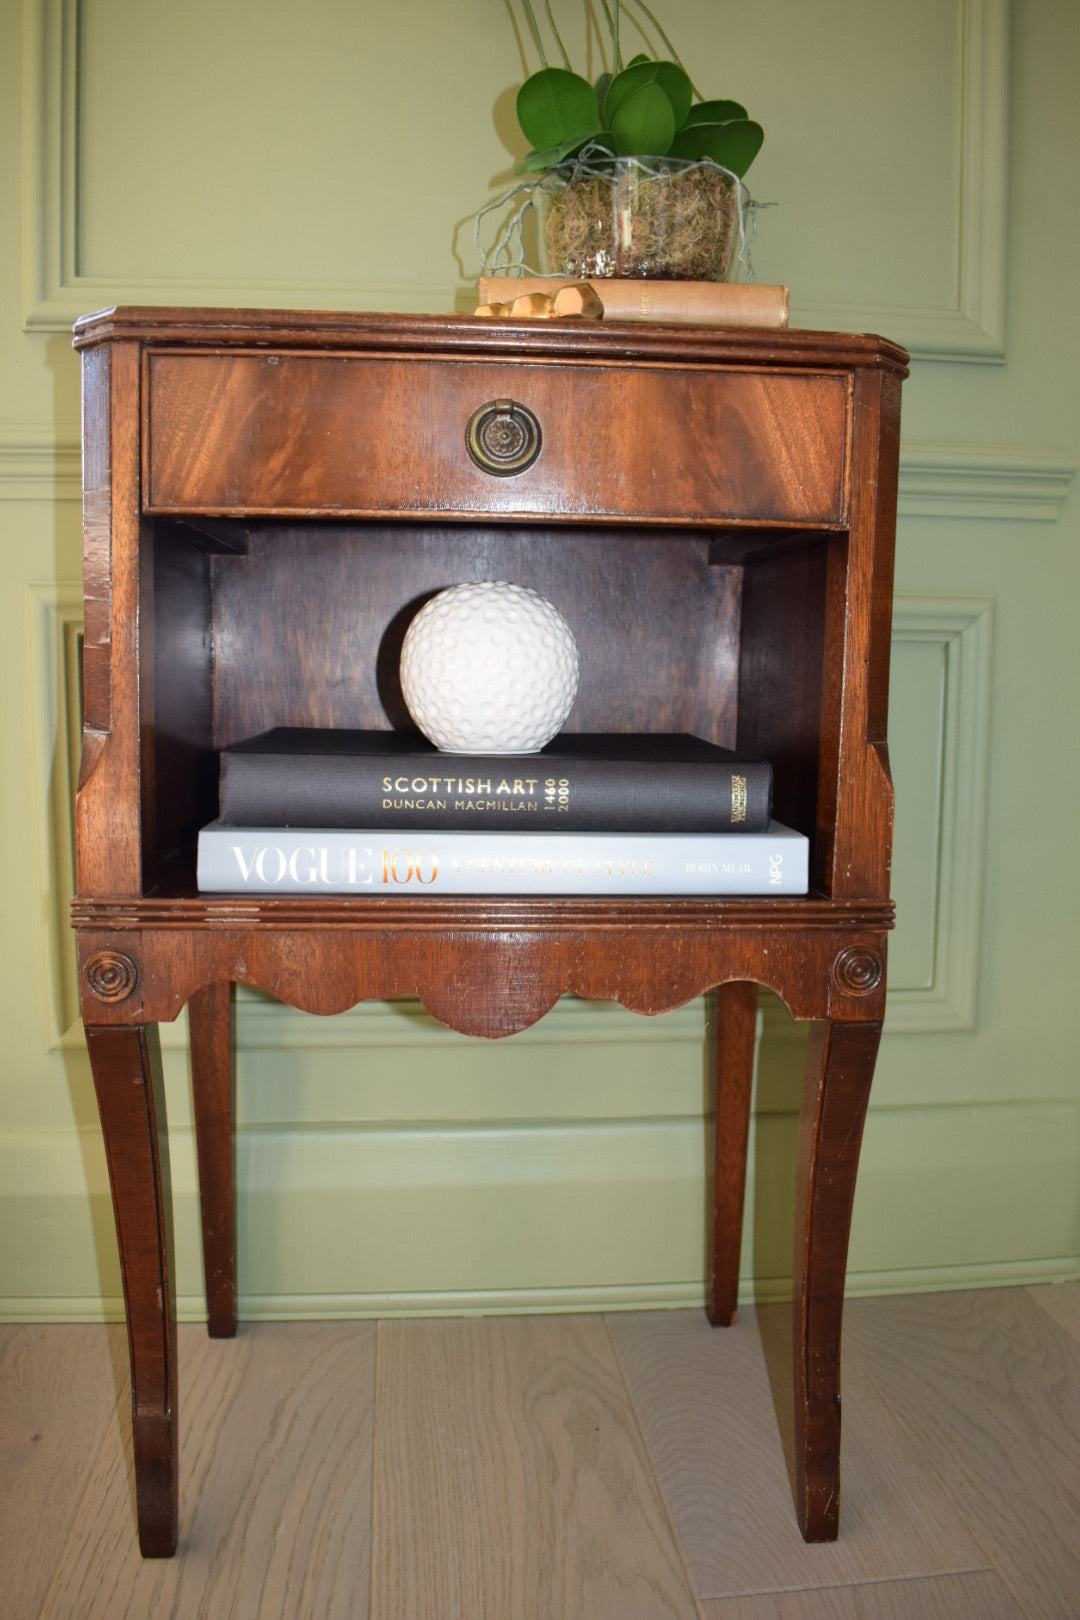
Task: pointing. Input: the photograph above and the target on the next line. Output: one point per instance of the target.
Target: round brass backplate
(503, 437)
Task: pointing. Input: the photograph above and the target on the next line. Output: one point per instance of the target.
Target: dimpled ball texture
(489, 668)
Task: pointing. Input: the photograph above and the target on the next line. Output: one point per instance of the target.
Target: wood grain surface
(715, 1410)
(512, 1479)
(1063, 1304)
(522, 1468)
(276, 1500)
(980, 1595)
(58, 1407)
(988, 1389)
(285, 433)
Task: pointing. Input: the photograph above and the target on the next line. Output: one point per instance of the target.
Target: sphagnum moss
(669, 223)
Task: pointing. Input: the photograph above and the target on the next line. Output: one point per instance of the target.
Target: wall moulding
(37, 464)
(54, 650)
(960, 631)
(972, 326)
(391, 1199)
(944, 915)
(969, 327)
(942, 480)
(983, 481)
(55, 291)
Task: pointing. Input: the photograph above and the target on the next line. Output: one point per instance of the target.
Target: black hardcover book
(581, 782)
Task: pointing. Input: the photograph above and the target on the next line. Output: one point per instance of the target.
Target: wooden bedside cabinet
(268, 496)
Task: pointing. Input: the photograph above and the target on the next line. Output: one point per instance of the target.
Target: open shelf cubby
(300, 623)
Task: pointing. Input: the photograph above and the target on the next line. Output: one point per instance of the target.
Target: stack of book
(699, 303)
(379, 812)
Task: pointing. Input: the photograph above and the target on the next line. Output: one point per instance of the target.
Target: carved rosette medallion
(858, 971)
(111, 975)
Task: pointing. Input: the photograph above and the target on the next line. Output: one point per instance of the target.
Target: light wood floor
(556, 1468)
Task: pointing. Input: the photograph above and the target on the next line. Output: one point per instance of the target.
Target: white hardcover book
(312, 860)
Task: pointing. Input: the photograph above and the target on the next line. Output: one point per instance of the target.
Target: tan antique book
(700, 303)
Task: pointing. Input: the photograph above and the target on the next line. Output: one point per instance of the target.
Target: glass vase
(659, 218)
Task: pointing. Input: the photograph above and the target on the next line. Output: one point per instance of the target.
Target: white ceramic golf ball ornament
(489, 668)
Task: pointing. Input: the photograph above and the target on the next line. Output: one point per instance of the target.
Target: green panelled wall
(334, 155)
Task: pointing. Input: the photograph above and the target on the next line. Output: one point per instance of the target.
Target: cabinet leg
(736, 1024)
(839, 1069)
(126, 1065)
(213, 1090)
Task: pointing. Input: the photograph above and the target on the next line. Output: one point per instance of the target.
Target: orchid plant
(647, 107)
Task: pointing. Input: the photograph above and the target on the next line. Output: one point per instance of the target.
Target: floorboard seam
(841, 1585)
(376, 1361)
(696, 1597)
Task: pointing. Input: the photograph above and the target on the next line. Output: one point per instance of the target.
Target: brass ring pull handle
(503, 438)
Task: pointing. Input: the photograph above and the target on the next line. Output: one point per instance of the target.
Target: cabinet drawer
(295, 434)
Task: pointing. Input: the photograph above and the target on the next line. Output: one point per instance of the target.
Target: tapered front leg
(212, 1084)
(736, 1025)
(839, 1069)
(126, 1066)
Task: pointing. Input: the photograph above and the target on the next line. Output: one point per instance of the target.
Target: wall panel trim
(977, 481)
(938, 480)
(963, 628)
(545, 1301)
(599, 1181)
(53, 639)
(970, 328)
(37, 464)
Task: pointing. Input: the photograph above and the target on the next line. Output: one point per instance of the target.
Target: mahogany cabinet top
(465, 334)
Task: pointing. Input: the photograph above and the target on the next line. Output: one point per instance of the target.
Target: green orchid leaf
(601, 88)
(624, 84)
(644, 123)
(667, 75)
(714, 112)
(552, 156)
(733, 145)
(674, 81)
(553, 105)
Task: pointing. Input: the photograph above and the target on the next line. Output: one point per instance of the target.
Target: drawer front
(294, 434)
